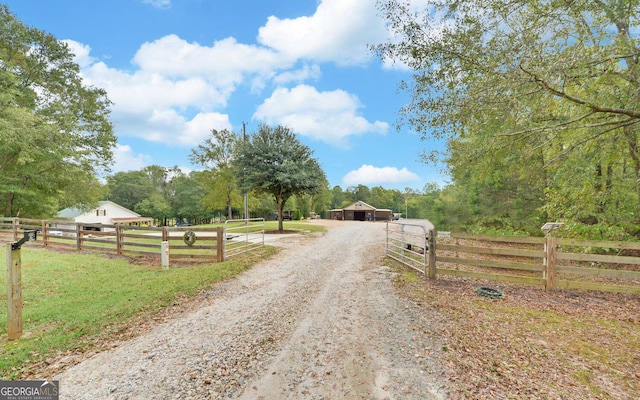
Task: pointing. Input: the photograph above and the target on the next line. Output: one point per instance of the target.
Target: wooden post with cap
(14, 285)
(14, 293)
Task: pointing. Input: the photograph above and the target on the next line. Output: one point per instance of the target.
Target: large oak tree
(273, 161)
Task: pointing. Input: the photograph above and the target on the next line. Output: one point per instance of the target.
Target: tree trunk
(598, 190)
(280, 204)
(8, 207)
(545, 183)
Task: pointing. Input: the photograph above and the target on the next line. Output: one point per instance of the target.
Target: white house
(107, 213)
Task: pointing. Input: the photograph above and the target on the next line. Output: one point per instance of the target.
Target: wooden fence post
(432, 254)
(164, 248)
(220, 243)
(16, 223)
(45, 233)
(78, 238)
(119, 244)
(14, 293)
(551, 244)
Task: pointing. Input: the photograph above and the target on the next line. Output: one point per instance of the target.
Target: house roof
(70, 212)
(101, 203)
(73, 212)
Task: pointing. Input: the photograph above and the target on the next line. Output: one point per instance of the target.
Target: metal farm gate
(412, 244)
(243, 235)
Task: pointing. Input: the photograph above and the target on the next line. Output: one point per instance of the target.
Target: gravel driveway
(320, 320)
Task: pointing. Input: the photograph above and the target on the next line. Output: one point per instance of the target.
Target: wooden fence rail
(120, 239)
(544, 262)
(547, 263)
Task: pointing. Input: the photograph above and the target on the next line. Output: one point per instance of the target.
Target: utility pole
(406, 208)
(246, 195)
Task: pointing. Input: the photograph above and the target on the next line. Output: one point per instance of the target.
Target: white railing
(408, 243)
(243, 235)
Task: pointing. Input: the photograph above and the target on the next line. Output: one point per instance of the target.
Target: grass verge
(304, 226)
(532, 344)
(76, 302)
(300, 226)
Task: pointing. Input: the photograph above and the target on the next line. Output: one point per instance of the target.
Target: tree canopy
(216, 155)
(129, 188)
(526, 67)
(159, 192)
(273, 161)
(537, 101)
(55, 135)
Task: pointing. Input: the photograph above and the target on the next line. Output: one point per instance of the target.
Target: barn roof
(359, 206)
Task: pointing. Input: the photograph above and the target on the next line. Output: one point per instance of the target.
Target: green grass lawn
(303, 226)
(74, 300)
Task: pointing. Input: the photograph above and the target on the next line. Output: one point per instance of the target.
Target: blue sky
(175, 69)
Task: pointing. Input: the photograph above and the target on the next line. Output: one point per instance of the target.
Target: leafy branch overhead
(534, 94)
(497, 57)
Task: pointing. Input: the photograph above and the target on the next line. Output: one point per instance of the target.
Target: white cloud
(225, 64)
(170, 127)
(339, 31)
(143, 92)
(178, 90)
(126, 160)
(163, 4)
(368, 174)
(80, 52)
(159, 109)
(198, 128)
(308, 72)
(330, 117)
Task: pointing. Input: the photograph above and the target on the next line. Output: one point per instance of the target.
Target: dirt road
(320, 320)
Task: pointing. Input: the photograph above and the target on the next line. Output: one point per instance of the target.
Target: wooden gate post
(432, 254)
(220, 243)
(550, 270)
(14, 293)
